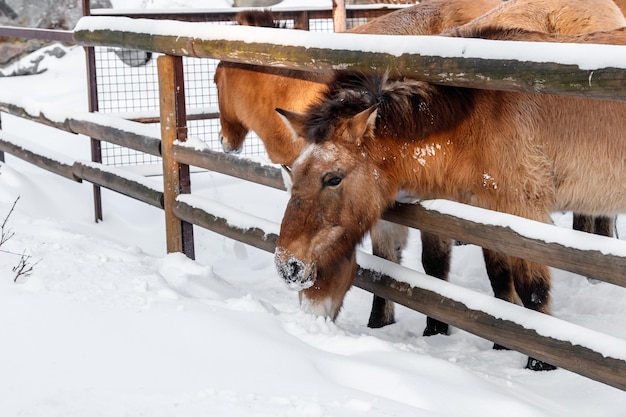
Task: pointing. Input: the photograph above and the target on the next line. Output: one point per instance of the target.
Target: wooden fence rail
(594, 71)
(573, 348)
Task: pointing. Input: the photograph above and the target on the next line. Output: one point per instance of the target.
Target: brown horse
(371, 137)
(276, 89)
(247, 99)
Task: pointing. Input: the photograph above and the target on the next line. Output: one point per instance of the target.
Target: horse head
(337, 195)
(364, 137)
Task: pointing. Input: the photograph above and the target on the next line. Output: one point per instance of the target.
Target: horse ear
(363, 123)
(294, 121)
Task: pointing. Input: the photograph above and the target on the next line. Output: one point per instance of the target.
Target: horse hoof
(435, 327)
(382, 314)
(377, 324)
(537, 365)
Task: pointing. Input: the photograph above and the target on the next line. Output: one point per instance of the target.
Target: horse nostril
(294, 268)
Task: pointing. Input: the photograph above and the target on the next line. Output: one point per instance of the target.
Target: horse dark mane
(405, 106)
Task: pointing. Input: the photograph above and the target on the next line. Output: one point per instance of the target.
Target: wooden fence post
(176, 179)
(339, 15)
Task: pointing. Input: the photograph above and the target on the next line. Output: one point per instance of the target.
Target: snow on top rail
(587, 70)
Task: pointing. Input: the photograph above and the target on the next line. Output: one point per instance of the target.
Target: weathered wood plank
(111, 134)
(16, 110)
(123, 184)
(230, 165)
(309, 52)
(171, 180)
(253, 236)
(99, 130)
(36, 33)
(590, 263)
(9, 144)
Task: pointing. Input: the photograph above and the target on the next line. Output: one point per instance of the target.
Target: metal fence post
(176, 178)
(92, 91)
(1, 152)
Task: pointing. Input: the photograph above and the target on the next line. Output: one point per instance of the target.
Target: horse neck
(415, 166)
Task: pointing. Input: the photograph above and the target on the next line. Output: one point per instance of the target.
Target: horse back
(567, 17)
(427, 18)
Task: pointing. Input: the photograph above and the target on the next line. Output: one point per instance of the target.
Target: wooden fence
(577, 349)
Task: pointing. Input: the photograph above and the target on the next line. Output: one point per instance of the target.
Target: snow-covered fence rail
(129, 134)
(595, 71)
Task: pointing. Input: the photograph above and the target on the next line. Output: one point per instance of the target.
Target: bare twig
(6, 233)
(23, 268)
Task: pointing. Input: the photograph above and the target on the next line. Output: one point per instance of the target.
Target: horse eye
(331, 180)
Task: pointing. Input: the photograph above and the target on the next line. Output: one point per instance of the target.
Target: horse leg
(499, 273)
(599, 225)
(436, 253)
(583, 222)
(604, 226)
(512, 278)
(388, 241)
(532, 283)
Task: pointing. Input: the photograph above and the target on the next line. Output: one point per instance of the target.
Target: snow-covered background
(108, 324)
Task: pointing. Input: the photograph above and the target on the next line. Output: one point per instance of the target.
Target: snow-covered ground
(108, 324)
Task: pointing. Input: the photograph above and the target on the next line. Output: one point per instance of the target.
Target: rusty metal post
(176, 178)
(92, 91)
(1, 152)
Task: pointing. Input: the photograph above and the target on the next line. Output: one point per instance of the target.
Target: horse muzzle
(297, 274)
(226, 147)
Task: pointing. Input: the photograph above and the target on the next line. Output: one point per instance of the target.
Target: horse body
(522, 154)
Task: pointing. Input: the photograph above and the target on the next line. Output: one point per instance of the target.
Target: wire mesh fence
(127, 85)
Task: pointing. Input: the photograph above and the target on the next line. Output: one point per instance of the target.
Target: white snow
(108, 324)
